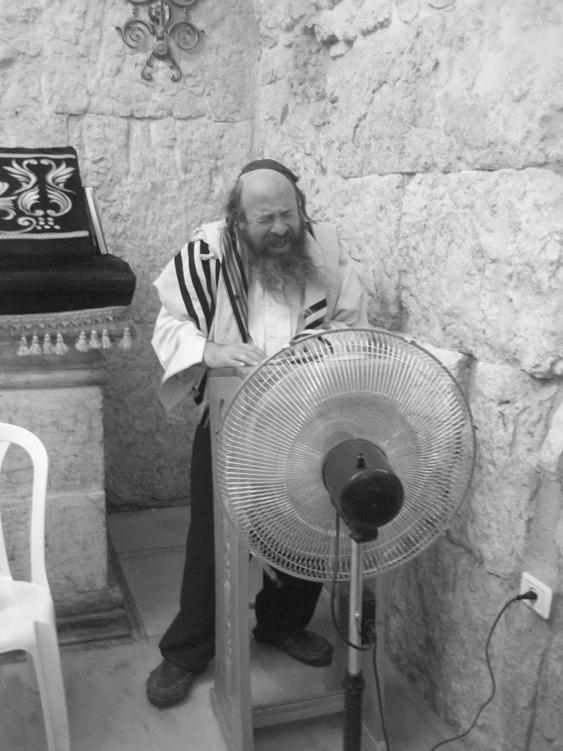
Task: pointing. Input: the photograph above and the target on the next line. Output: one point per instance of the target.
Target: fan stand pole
(354, 680)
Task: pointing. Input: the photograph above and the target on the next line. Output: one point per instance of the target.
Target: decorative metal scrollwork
(167, 22)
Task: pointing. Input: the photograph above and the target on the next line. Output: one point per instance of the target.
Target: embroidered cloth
(43, 214)
(54, 279)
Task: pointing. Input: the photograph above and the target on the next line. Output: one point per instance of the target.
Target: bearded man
(242, 289)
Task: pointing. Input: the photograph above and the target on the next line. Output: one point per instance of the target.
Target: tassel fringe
(81, 343)
(52, 334)
(23, 349)
(48, 346)
(94, 342)
(35, 348)
(106, 341)
(60, 347)
(127, 340)
(84, 343)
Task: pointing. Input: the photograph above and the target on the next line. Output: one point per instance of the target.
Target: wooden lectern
(231, 696)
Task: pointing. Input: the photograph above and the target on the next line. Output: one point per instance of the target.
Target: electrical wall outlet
(541, 606)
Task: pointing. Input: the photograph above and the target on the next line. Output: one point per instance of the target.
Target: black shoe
(168, 684)
(306, 647)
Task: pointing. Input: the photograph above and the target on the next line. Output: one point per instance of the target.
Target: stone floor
(105, 681)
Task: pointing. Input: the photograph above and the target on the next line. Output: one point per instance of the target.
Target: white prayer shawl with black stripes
(206, 284)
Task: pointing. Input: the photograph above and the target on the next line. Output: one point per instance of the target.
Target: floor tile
(107, 707)
(154, 577)
(108, 710)
(148, 529)
(323, 734)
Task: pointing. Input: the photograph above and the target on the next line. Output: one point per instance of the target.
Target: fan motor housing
(362, 486)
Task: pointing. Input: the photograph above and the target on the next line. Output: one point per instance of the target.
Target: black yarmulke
(270, 164)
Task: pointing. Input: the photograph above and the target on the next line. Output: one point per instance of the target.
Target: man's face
(272, 223)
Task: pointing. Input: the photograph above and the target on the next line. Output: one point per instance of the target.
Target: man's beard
(278, 271)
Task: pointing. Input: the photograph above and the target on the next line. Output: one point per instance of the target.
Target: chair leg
(31, 672)
(51, 688)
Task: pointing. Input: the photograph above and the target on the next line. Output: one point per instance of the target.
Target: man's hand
(232, 355)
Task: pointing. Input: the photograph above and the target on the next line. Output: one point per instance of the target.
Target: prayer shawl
(206, 283)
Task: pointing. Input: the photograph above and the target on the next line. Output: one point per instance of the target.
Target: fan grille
(303, 401)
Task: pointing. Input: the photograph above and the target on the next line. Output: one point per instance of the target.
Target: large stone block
(367, 215)
(147, 453)
(93, 71)
(512, 415)
(76, 546)
(551, 453)
(347, 20)
(62, 404)
(547, 726)
(419, 86)
(22, 121)
(482, 265)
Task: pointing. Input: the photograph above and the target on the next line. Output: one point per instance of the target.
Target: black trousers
(281, 611)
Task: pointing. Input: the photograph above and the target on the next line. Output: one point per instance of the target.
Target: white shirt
(272, 323)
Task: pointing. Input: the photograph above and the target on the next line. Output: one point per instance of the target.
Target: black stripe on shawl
(316, 306)
(210, 284)
(179, 266)
(233, 297)
(316, 323)
(233, 271)
(199, 391)
(198, 287)
(238, 258)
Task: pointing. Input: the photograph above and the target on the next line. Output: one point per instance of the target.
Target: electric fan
(359, 425)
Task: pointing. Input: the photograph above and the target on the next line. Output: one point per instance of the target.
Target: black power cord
(369, 635)
(373, 636)
(529, 595)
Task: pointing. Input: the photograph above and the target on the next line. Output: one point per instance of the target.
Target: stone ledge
(51, 371)
(120, 620)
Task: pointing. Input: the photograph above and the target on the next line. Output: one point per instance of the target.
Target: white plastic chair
(27, 613)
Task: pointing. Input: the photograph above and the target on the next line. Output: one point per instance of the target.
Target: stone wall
(430, 132)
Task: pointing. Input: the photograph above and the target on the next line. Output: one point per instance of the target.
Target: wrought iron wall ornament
(167, 21)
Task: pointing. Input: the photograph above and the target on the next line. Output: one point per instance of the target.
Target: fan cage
(307, 398)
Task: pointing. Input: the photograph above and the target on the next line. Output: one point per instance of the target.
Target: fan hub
(362, 486)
